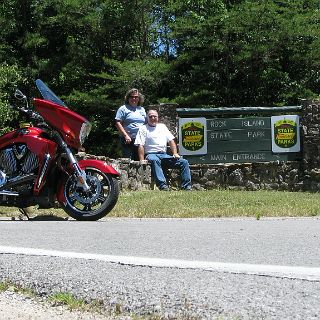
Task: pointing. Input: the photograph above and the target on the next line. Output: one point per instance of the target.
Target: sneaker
(164, 188)
(187, 189)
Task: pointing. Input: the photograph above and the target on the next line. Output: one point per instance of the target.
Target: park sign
(193, 136)
(239, 138)
(285, 133)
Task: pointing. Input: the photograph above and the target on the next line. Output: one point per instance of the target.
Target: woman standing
(129, 118)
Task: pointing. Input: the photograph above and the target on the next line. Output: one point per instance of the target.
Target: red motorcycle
(38, 164)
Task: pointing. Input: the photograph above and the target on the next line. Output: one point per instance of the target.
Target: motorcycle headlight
(84, 132)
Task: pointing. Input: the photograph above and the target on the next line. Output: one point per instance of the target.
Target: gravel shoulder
(138, 292)
(15, 306)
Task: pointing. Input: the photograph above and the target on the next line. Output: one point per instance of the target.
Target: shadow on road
(35, 218)
(48, 218)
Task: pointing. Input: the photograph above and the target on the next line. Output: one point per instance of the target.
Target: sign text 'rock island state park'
(240, 140)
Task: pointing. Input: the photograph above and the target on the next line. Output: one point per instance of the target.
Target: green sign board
(242, 157)
(240, 140)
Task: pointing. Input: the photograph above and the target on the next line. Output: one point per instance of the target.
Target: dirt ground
(15, 306)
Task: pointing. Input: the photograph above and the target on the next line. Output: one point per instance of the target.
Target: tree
(193, 52)
(10, 78)
(250, 53)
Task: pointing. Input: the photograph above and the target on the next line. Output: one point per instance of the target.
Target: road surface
(201, 268)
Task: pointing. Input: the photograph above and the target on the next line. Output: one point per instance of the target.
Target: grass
(217, 203)
(213, 204)
(67, 299)
(10, 286)
(60, 298)
(92, 308)
(73, 303)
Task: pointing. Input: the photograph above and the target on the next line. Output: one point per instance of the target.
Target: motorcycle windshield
(48, 94)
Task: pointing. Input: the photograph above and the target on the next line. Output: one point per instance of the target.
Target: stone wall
(291, 175)
(255, 176)
(310, 165)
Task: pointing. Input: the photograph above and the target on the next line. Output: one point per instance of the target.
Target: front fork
(80, 174)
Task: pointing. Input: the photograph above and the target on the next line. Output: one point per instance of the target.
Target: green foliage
(100, 104)
(254, 53)
(98, 109)
(192, 52)
(148, 76)
(10, 77)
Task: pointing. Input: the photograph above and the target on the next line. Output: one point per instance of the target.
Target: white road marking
(304, 273)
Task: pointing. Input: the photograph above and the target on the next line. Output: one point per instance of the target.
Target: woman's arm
(123, 132)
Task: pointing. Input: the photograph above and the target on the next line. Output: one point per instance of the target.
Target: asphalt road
(201, 268)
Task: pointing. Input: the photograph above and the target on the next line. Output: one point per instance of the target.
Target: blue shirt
(132, 118)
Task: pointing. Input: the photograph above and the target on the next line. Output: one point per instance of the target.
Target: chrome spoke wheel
(94, 203)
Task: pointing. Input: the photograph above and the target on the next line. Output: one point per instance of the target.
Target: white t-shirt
(154, 139)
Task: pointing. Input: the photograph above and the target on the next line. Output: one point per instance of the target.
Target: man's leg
(183, 165)
(185, 174)
(156, 170)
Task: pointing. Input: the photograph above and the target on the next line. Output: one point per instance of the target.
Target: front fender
(99, 164)
(85, 163)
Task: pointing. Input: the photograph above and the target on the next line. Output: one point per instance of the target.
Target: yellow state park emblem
(285, 133)
(192, 136)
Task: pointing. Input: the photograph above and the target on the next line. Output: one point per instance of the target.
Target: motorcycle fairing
(86, 163)
(67, 122)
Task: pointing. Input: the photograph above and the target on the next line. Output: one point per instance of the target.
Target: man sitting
(152, 139)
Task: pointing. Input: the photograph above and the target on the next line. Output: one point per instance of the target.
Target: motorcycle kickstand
(23, 212)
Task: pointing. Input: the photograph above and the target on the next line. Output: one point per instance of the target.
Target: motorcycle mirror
(19, 95)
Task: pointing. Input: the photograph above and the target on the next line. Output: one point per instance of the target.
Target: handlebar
(29, 113)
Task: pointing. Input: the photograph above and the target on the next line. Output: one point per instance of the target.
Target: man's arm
(173, 147)
(141, 152)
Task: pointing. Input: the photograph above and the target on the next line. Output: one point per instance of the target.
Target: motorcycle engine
(18, 160)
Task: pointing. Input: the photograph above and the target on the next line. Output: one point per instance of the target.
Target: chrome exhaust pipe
(9, 193)
(14, 181)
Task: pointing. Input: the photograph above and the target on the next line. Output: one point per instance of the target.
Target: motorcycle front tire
(95, 203)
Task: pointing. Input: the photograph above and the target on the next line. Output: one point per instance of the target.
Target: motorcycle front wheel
(94, 203)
